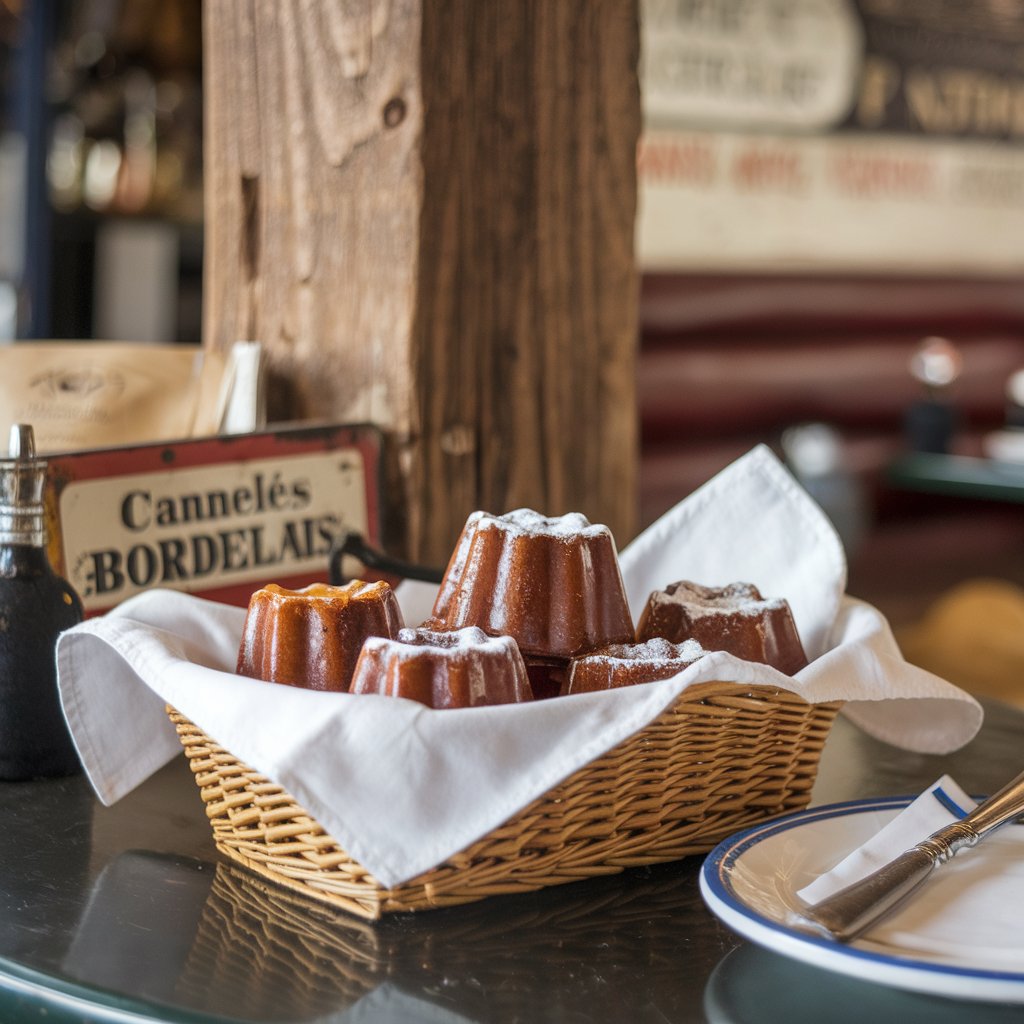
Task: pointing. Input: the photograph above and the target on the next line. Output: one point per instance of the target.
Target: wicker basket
(722, 757)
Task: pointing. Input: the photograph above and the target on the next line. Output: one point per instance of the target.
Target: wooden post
(425, 210)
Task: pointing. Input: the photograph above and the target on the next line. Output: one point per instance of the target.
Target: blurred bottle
(932, 421)
(814, 454)
(124, 84)
(1015, 401)
(1007, 445)
(35, 606)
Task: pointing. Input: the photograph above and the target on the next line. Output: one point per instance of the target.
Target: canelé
(734, 618)
(629, 664)
(312, 637)
(459, 669)
(553, 584)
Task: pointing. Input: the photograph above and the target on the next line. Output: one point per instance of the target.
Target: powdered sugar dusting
(732, 599)
(657, 652)
(413, 643)
(528, 523)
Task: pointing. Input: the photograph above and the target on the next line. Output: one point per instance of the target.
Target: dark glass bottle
(35, 605)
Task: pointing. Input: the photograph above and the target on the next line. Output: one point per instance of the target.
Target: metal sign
(217, 517)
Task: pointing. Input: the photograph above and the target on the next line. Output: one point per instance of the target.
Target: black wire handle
(354, 544)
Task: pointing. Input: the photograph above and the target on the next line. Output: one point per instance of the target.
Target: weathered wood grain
(425, 210)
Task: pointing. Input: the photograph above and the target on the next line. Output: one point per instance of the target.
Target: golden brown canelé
(312, 637)
(553, 584)
(617, 665)
(459, 669)
(734, 618)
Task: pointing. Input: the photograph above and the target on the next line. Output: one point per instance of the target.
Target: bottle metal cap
(22, 477)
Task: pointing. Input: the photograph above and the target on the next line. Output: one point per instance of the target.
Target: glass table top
(129, 913)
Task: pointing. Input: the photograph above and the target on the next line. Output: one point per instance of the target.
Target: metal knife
(851, 911)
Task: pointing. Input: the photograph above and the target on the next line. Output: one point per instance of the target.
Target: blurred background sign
(857, 135)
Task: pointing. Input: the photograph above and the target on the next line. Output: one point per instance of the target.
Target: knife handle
(851, 911)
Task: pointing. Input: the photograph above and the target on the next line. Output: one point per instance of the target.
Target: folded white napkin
(968, 912)
(403, 787)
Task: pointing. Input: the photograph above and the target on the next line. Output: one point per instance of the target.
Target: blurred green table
(958, 475)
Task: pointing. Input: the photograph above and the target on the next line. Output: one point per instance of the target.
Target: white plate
(750, 882)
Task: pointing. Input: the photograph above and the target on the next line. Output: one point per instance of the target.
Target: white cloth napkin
(969, 910)
(403, 787)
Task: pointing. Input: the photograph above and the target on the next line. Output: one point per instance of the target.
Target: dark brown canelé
(312, 637)
(617, 665)
(459, 669)
(734, 618)
(551, 583)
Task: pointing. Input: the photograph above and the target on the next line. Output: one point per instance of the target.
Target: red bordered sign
(217, 517)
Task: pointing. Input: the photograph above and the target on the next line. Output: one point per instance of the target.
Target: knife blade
(850, 912)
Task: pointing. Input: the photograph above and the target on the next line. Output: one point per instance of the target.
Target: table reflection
(138, 924)
(598, 950)
(755, 986)
(39, 871)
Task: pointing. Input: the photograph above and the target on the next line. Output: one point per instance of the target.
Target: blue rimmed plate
(750, 882)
